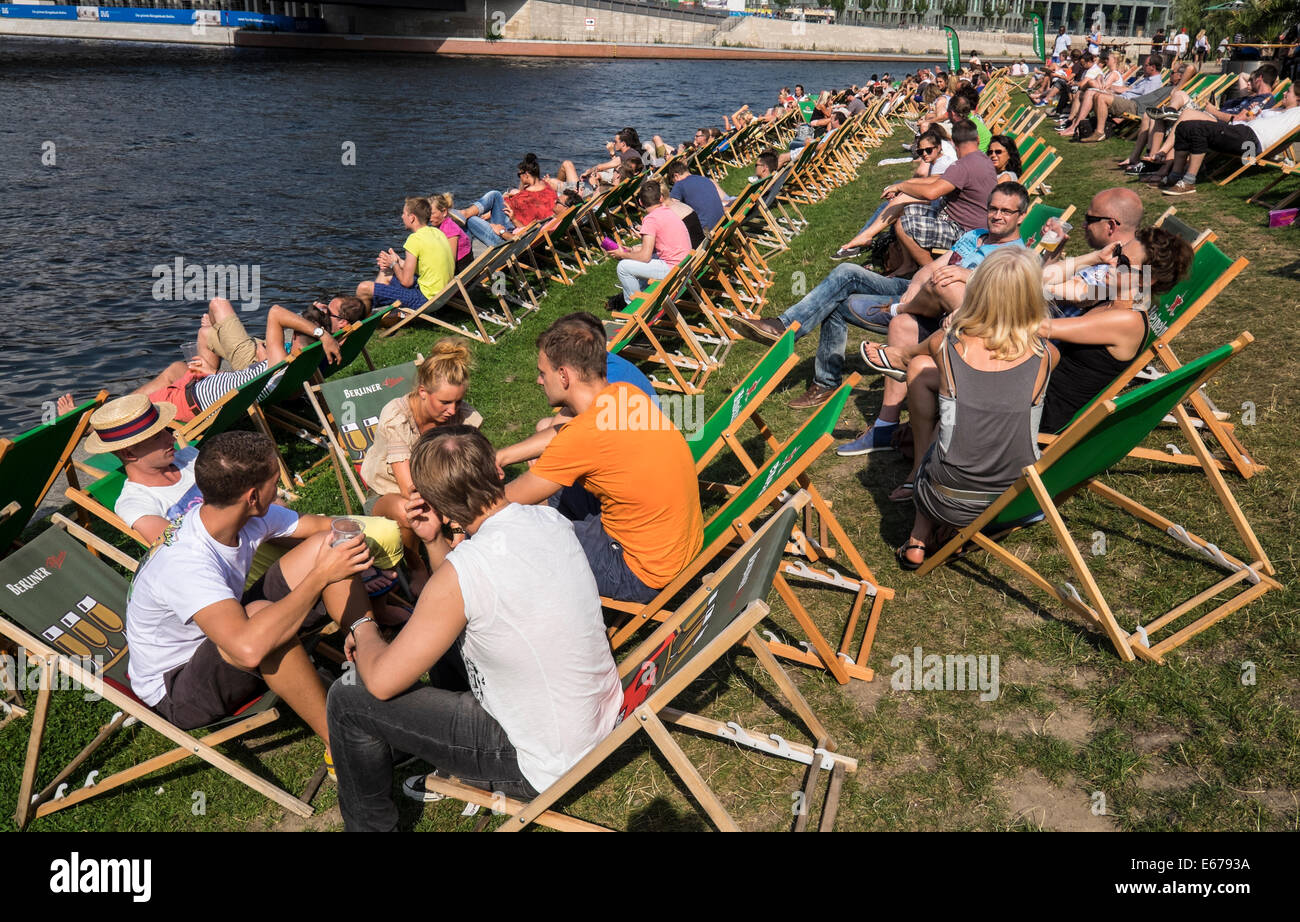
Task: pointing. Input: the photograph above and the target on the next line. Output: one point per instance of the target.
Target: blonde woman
(462, 248)
(977, 391)
(438, 399)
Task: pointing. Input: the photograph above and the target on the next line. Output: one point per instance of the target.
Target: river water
(117, 158)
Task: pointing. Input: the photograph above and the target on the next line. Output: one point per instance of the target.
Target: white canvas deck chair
(716, 619)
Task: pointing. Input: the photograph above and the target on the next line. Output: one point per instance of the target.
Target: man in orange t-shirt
(619, 469)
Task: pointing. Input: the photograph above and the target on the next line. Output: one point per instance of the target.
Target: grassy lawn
(1077, 739)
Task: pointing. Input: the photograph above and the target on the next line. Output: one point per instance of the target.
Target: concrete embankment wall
(118, 31)
(778, 34)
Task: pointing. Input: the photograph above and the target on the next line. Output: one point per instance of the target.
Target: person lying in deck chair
(201, 645)
(522, 683)
(222, 335)
(438, 399)
(422, 273)
(495, 217)
(619, 469)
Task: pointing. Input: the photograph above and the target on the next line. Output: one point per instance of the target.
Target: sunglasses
(1094, 218)
(1005, 211)
(927, 150)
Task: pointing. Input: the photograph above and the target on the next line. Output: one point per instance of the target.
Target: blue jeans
(605, 556)
(827, 305)
(492, 210)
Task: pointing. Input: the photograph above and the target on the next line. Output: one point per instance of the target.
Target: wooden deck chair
(230, 409)
(644, 328)
(348, 411)
(1210, 273)
(1035, 178)
(68, 619)
(355, 338)
(30, 464)
(784, 471)
(721, 616)
(1181, 228)
(1031, 228)
(98, 497)
(522, 268)
(1094, 442)
(481, 273)
(1279, 155)
(561, 256)
(741, 405)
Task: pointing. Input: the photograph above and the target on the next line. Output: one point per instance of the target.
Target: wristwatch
(360, 621)
(318, 332)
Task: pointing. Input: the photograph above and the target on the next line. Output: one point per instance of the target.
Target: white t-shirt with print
(185, 574)
(534, 644)
(138, 500)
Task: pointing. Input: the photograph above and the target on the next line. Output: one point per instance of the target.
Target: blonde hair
(442, 201)
(1004, 304)
(449, 362)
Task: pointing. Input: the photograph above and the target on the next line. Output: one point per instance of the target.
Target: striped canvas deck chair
(348, 412)
(30, 464)
(1074, 461)
(785, 471)
(719, 617)
(64, 609)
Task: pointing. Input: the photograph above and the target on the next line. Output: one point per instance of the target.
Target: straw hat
(127, 421)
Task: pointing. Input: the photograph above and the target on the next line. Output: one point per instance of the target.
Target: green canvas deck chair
(742, 404)
(652, 329)
(1035, 178)
(67, 617)
(719, 617)
(1095, 441)
(785, 471)
(523, 269)
(481, 273)
(1210, 273)
(1031, 228)
(98, 497)
(30, 464)
(348, 411)
(230, 409)
(561, 257)
(1177, 226)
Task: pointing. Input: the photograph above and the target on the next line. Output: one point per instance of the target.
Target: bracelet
(360, 621)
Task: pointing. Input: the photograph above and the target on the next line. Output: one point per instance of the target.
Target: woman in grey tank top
(992, 369)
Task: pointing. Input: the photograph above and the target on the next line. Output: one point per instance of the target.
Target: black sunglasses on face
(1094, 218)
(927, 150)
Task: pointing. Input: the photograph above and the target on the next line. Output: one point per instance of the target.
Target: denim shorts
(407, 297)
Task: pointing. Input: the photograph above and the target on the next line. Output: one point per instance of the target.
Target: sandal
(903, 493)
(378, 582)
(900, 554)
(884, 367)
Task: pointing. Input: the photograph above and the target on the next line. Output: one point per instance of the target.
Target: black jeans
(442, 723)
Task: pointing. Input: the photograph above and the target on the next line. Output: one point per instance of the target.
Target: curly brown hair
(1168, 257)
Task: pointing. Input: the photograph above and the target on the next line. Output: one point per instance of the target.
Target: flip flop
(900, 554)
(385, 582)
(896, 494)
(885, 367)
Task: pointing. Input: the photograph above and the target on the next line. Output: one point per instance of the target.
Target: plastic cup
(190, 351)
(342, 530)
(1052, 236)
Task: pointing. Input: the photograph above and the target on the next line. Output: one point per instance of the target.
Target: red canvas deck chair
(67, 618)
(721, 615)
(786, 471)
(1074, 461)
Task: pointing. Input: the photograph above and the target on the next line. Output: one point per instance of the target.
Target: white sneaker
(413, 787)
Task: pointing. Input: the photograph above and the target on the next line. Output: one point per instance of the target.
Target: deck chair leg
(100, 738)
(685, 768)
(1063, 538)
(783, 681)
(824, 650)
(39, 715)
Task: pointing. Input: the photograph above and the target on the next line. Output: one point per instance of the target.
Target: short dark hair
(629, 137)
(419, 207)
(1015, 189)
(1267, 73)
(1156, 61)
(651, 193)
(679, 168)
(964, 132)
(959, 107)
(232, 463)
(970, 94)
(454, 468)
(573, 343)
(769, 159)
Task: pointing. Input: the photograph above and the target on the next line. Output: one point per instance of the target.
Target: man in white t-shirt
(531, 686)
(201, 646)
(159, 478)
(1180, 41)
(1062, 45)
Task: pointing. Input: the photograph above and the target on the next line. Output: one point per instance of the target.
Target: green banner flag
(1040, 37)
(807, 107)
(954, 50)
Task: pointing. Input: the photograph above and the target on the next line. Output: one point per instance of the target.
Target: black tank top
(1082, 374)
